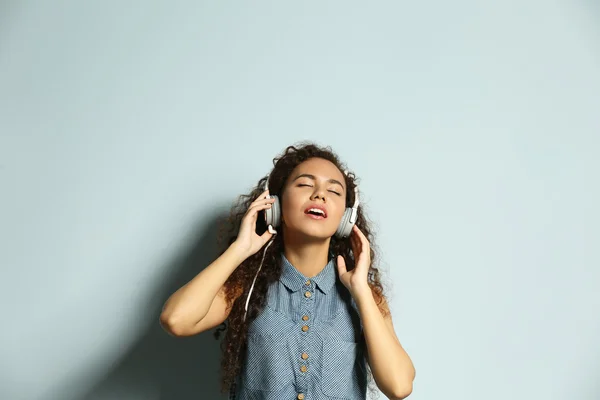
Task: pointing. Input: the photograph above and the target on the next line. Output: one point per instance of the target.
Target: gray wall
(128, 129)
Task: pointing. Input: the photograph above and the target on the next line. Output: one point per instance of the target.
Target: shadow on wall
(160, 366)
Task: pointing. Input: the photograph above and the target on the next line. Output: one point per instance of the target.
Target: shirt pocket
(341, 378)
(268, 366)
(270, 322)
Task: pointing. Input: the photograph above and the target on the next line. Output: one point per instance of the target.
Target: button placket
(307, 311)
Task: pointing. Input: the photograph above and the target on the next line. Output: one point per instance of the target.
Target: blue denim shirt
(307, 343)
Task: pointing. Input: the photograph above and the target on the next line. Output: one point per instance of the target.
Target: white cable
(255, 276)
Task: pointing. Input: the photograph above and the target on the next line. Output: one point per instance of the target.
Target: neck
(308, 257)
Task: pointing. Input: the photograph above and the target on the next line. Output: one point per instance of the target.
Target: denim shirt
(307, 343)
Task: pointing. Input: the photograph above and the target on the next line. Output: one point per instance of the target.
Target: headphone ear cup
(273, 214)
(345, 227)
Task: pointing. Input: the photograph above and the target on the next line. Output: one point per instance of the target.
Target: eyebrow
(314, 179)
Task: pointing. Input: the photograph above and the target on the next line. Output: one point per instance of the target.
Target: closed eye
(305, 184)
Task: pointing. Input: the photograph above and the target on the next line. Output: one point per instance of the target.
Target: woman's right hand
(248, 241)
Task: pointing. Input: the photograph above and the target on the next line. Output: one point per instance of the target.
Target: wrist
(362, 294)
(236, 250)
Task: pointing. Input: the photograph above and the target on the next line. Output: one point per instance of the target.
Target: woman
(316, 324)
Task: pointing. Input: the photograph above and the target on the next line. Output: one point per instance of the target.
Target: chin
(312, 232)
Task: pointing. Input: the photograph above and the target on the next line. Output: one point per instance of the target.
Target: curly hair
(237, 286)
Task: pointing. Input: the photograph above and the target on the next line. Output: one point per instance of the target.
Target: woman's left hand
(356, 280)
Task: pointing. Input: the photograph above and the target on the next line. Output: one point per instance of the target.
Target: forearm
(190, 303)
(392, 368)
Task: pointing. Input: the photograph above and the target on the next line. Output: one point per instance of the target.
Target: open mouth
(315, 213)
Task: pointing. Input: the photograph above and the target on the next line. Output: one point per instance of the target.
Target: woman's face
(314, 184)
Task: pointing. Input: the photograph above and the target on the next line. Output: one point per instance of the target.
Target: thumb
(266, 236)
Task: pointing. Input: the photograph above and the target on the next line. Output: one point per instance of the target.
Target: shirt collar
(294, 280)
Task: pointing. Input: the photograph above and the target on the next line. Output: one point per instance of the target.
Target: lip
(318, 206)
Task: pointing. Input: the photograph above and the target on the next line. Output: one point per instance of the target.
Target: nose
(318, 194)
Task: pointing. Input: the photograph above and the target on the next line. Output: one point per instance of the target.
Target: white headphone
(273, 214)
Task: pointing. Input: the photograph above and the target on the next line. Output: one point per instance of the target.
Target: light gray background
(128, 129)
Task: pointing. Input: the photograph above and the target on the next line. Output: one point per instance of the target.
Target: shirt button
(307, 283)
(305, 328)
(305, 318)
(307, 294)
(304, 356)
(300, 396)
(303, 368)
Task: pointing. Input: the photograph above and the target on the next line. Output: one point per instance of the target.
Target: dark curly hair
(237, 286)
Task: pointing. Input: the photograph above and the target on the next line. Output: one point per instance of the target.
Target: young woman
(303, 307)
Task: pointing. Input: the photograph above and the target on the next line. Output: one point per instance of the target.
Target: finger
(262, 200)
(263, 195)
(253, 211)
(266, 236)
(261, 206)
(363, 239)
(365, 246)
(355, 244)
(354, 236)
(341, 265)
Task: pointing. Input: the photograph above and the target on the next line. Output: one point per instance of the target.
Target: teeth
(317, 211)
